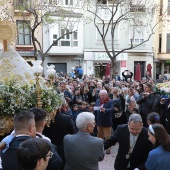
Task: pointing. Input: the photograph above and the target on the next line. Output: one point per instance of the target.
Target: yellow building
(162, 39)
(14, 11)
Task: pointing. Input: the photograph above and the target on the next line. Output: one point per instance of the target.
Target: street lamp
(51, 72)
(37, 70)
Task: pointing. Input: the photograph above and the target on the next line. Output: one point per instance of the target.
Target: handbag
(117, 104)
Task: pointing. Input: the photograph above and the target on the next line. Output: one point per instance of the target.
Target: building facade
(16, 12)
(84, 45)
(95, 57)
(162, 39)
(68, 51)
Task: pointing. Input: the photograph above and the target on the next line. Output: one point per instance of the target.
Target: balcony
(137, 8)
(107, 3)
(163, 56)
(20, 7)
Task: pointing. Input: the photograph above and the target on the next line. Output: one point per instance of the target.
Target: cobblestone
(109, 159)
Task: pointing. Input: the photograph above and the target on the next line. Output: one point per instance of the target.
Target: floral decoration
(14, 98)
(163, 89)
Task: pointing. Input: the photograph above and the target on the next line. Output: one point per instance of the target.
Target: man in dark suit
(62, 125)
(24, 126)
(134, 145)
(165, 105)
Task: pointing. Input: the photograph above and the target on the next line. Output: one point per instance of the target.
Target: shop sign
(101, 56)
(104, 56)
(167, 61)
(26, 53)
(122, 63)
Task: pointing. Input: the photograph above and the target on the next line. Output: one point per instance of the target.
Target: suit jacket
(158, 159)
(104, 119)
(149, 104)
(9, 158)
(83, 151)
(62, 125)
(139, 154)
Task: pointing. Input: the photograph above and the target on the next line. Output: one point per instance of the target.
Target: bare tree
(130, 16)
(41, 13)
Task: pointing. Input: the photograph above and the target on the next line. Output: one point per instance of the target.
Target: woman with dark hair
(153, 118)
(158, 158)
(140, 88)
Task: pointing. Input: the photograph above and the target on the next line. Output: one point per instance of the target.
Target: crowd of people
(95, 115)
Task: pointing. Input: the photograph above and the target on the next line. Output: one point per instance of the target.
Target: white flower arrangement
(14, 98)
(163, 89)
(51, 100)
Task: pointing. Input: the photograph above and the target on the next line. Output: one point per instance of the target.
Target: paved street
(108, 162)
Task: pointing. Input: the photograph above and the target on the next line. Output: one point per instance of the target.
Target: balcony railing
(22, 4)
(137, 8)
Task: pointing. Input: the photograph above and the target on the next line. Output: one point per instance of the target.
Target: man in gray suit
(83, 151)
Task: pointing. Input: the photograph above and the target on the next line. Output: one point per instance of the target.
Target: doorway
(60, 67)
(142, 67)
(100, 69)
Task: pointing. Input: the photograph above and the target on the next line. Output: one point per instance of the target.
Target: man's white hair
(103, 92)
(83, 119)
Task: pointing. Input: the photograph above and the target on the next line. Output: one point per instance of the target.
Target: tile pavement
(109, 159)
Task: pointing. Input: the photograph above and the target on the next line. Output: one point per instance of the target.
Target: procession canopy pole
(5, 45)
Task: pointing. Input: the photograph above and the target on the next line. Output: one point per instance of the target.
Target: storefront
(95, 62)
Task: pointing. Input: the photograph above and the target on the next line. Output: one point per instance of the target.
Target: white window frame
(24, 33)
(137, 6)
(71, 38)
(75, 40)
(108, 36)
(168, 8)
(47, 2)
(54, 39)
(65, 39)
(136, 39)
(72, 3)
(108, 2)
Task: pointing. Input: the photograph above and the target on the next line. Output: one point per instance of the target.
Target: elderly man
(134, 145)
(83, 151)
(104, 116)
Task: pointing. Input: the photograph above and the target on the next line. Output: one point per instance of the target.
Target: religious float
(21, 86)
(163, 89)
